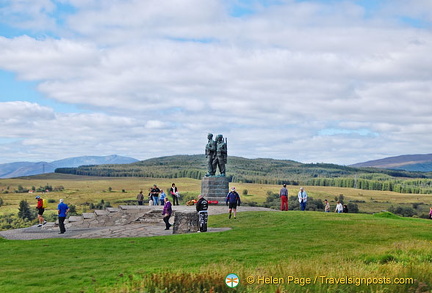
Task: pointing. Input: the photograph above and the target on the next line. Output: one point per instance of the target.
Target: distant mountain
(421, 163)
(18, 169)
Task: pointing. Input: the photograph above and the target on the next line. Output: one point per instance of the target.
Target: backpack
(44, 203)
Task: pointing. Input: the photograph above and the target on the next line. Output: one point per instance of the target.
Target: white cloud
(308, 81)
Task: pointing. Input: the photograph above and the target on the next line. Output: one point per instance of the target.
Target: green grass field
(261, 247)
(335, 253)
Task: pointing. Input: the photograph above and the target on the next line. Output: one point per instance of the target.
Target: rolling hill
(421, 163)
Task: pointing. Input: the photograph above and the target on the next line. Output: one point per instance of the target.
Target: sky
(311, 81)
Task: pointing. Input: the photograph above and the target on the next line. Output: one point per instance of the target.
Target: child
(162, 196)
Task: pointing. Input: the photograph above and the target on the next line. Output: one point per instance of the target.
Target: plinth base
(215, 188)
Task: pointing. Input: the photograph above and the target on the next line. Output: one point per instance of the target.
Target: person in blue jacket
(63, 209)
(232, 201)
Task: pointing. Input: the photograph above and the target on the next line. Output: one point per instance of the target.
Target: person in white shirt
(302, 197)
(339, 208)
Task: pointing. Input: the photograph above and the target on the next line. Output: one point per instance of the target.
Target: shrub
(24, 211)
(402, 211)
(58, 188)
(352, 207)
(100, 206)
(12, 221)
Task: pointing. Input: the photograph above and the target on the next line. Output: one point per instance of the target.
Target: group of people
(62, 210)
(340, 208)
(302, 198)
(232, 200)
(157, 196)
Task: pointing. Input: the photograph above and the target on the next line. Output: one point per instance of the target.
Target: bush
(352, 207)
(58, 188)
(25, 213)
(99, 206)
(12, 221)
(1, 202)
(402, 211)
(251, 203)
(21, 189)
(72, 210)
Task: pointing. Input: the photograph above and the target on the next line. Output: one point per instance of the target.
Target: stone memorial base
(215, 188)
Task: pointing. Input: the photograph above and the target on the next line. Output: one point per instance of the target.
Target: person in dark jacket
(345, 208)
(202, 207)
(175, 194)
(166, 213)
(232, 201)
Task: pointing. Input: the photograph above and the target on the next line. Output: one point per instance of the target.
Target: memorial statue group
(216, 154)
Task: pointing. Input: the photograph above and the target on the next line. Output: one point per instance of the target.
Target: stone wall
(185, 221)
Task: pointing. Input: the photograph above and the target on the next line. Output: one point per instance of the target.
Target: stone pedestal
(215, 188)
(185, 222)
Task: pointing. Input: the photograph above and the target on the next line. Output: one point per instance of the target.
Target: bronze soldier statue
(210, 152)
(220, 158)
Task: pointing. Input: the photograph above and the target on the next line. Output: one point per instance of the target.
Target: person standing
(302, 197)
(175, 194)
(202, 207)
(162, 196)
(430, 213)
(326, 206)
(63, 209)
(166, 213)
(345, 208)
(283, 194)
(232, 201)
(140, 198)
(155, 194)
(41, 210)
(339, 208)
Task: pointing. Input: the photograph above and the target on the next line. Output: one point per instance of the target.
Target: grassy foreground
(269, 251)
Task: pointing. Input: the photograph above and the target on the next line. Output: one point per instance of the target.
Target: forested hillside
(267, 171)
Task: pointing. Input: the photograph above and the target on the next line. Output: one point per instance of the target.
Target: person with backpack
(232, 201)
(202, 207)
(41, 209)
(63, 209)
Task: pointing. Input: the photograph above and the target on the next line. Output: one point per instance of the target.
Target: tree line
(267, 171)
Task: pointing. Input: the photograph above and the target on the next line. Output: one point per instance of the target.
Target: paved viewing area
(138, 229)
